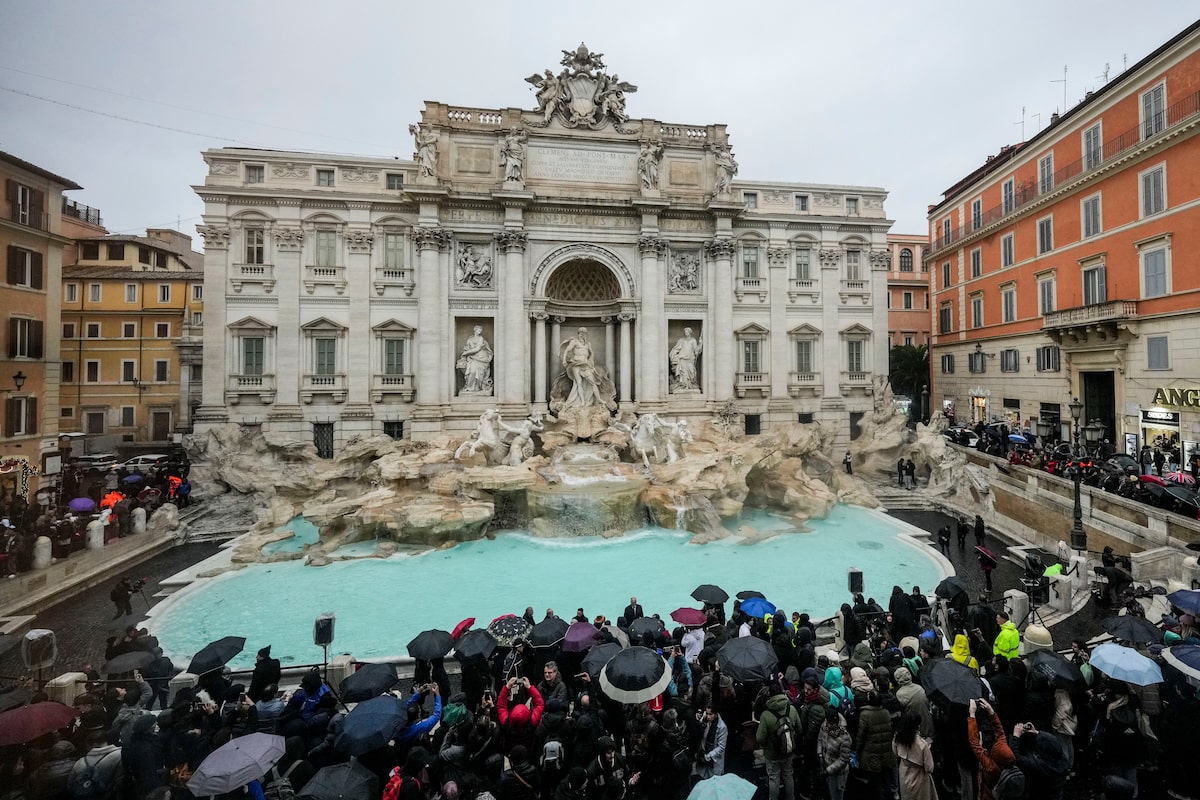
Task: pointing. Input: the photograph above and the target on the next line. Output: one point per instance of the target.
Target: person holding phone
(519, 719)
(985, 734)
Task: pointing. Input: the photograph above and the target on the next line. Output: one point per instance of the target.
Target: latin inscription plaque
(576, 165)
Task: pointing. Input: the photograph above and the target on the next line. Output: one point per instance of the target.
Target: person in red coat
(519, 718)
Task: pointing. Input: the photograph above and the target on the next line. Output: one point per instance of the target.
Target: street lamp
(1044, 429)
(925, 403)
(1093, 432)
(19, 380)
(1076, 412)
(1078, 534)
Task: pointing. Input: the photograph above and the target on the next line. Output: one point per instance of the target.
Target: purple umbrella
(135, 478)
(82, 504)
(579, 637)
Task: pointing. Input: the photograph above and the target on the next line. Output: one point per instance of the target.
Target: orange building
(1062, 267)
(908, 290)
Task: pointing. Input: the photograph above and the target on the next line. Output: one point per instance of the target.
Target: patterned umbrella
(508, 628)
(1180, 477)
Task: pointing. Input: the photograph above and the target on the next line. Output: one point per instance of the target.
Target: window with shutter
(1157, 352)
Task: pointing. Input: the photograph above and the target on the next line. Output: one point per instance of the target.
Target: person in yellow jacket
(1008, 641)
(961, 652)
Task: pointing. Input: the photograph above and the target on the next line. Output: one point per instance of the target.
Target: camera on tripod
(1034, 580)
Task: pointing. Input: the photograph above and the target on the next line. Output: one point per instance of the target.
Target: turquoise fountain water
(382, 603)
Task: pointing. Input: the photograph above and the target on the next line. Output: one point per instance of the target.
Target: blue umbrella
(370, 725)
(1186, 600)
(135, 478)
(82, 504)
(757, 607)
(1124, 664)
(1184, 657)
(1018, 438)
(723, 787)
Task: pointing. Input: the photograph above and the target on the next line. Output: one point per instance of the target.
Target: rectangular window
(1048, 358)
(854, 355)
(945, 274)
(1154, 191)
(131, 292)
(1008, 249)
(323, 439)
(26, 337)
(1046, 173)
(948, 364)
(1009, 196)
(1154, 272)
(749, 262)
(393, 251)
(255, 173)
(160, 259)
(1158, 352)
(750, 360)
(1154, 111)
(116, 252)
(93, 293)
(750, 199)
(67, 412)
(852, 206)
(977, 213)
(324, 177)
(908, 301)
(129, 330)
(1010, 360)
(21, 416)
(393, 356)
(976, 262)
(1094, 289)
(162, 371)
(256, 239)
(91, 371)
(197, 292)
(394, 429)
(164, 293)
(128, 371)
(803, 264)
(853, 266)
(1089, 211)
(325, 356)
(252, 355)
(804, 355)
(68, 371)
(977, 312)
(944, 318)
(94, 422)
(24, 267)
(1046, 296)
(976, 362)
(71, 293)
(90, 251)
(68, 330)
(144, 256)
(326, 249)
(93, 330)
(127, 416)
(197, 317)
(1045, 229)
(946, 231)
(1008, 300)
(395, 181)
(1093, 147)
(802, 202)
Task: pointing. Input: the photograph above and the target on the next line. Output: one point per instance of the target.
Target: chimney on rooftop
(1054, 118)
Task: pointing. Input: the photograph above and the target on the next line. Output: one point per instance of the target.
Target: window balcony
(324, 276)
(800, 288)
(752, 382)
(853, 289)
(402, 278)
(855, 383)
(1101, 321)
(804, 383)
(383, 385)
(29, 216)
(751, 286)
(238, 386)
(333, 385)
(262, 274)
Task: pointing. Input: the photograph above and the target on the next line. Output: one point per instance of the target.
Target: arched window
(906, 264)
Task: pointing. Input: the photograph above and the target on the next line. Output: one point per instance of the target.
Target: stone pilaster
(781, 362)
(652, 346)
(541, 391)
(721, 251)
(626, 364)
(513, 373)
(432, 327)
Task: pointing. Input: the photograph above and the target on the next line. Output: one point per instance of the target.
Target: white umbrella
(236, 763)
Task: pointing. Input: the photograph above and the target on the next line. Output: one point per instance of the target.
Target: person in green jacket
(1008, 641)
(779, 765)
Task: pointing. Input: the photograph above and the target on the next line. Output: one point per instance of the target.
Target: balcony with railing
(855, 382)
(1154, 127)
(398, 384)
(802, 383)
(753, 286)
(1097, 312)
(253, 274)
(397, 277)
(29, 216)
(315, 276)
(313, 384)
(801, 288)
(238, 386)
(752, 382)
(83, 213)
(855, 289)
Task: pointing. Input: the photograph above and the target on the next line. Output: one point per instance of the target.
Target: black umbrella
(13, 696)
(348, 781)
(708, 593)
(748, 658)
(635, 675)
(598, 656)
(371, 680)
(128, 662)
(1057, 671)
(215, 655)
(508, 629)
(951, 587)
(949, 682)
(643, 625)
(475, 646)
(370, 725)
(748, 593)
(548, 632)
(1129, 628)
(431, 644)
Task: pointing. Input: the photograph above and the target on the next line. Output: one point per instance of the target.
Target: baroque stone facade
(341, 292)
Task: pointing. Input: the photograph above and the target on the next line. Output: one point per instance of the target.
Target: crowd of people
(858, 718)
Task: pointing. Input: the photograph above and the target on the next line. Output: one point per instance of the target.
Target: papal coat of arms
(582, 94)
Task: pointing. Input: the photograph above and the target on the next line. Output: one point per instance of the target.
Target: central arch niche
(583, 282)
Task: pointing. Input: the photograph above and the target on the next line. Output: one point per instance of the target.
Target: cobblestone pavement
(81, 623)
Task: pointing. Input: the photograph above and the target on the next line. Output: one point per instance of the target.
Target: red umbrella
(462, 628)
(1152, 479)
(27, 723)
(983, 551)
(689, 616)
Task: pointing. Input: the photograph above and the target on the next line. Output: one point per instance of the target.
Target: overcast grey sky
(909, 96)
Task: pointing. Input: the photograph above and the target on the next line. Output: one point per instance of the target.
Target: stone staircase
(893, 498)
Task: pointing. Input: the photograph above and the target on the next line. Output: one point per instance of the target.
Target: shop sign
(1169, 396)
(1166, 417)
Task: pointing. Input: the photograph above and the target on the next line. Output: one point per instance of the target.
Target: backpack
(1011, 785)
(91, 783)
(392, 790)
(552, 755)
(845, 701)
(785, 734)
(280, 787)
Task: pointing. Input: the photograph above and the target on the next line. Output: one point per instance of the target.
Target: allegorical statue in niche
(474, 268)
(727, 167)
(684, 358)
(512, 155)
(582, 384)
(426, 141)
(475, 361)
(648, 161)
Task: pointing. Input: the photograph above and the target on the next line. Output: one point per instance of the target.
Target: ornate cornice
(215, 237)
(360, 241)
(428, 238)
(512, 241)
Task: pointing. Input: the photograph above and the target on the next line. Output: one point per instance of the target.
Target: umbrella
(983, 551)
(548, 632)
(462, 627)
(1180, 477)
(508, 628)
(111, 499)
(430, 644)
(644, 625)
(748, 593)
(951, 587)
(135, 478)
(348, 781)
(1184, 657)
(123, 623)
(1123, 664)
(579, 637)
(636, 675)
(757, 607)
(215, 655)
(1152, 480)
(723, 787)
(1186, 600)
(370, 725)
(1017, 438)
(748, 658)
(82, 504)
(128, 662)
(621, 636)
(371, 680)
(689, 616)
(948, 681)
(13, 696)
(1129, 628)
(598, 656)
(1182, 494)
(474, 646)
(236, 763)
(1057, 671)
(707, 593)
(26, 723)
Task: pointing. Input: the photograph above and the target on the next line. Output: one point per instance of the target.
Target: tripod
(1032, 589)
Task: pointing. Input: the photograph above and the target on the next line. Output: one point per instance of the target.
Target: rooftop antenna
(1105, 75)
(1022, 123)
(1064, 83)
(1039, 120)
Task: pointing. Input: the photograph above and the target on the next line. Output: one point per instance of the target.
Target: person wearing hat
(266, 673)
(607, 772)
(714, 736)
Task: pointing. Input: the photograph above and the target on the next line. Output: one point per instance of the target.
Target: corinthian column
(432, 326)
(540, 391)
(721, 251)
(651, 343)
(513, 376)
(625, 317)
